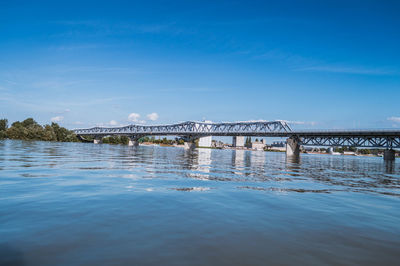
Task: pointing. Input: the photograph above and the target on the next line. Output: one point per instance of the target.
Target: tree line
(29, 129)
(164, 140)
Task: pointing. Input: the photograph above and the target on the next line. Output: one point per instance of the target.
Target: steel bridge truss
(352, 141)
(192, 128)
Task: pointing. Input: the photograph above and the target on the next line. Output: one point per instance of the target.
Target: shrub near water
(29, 129)
(3, 128)
(116, 140)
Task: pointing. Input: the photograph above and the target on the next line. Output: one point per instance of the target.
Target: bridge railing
(347, 130)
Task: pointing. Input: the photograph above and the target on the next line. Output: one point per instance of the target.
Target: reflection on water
(79, 203)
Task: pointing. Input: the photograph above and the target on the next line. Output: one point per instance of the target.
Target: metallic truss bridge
(351, 138)
(192, 130)
(195, 129)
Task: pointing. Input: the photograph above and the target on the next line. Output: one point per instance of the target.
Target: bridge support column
(133, 141)
(238, 141)
(189, 145)
(205, 141)
(97, 140)
(389, 155)
(292, 147)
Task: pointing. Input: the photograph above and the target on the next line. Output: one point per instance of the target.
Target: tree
(17, 132)
(248, 142)
(29, 122)
(3, 124)
(124, 140)
(49, 134)
(61, 132)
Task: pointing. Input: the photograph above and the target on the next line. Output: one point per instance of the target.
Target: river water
(86, 204)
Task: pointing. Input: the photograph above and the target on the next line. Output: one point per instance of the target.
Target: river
(86, 204)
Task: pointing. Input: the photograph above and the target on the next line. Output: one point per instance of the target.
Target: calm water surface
(86, 204)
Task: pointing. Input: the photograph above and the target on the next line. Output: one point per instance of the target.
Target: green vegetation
(29, 129)
(3, 128)
(345, 148)
(248, 142)
(116, 140)
(163, 141)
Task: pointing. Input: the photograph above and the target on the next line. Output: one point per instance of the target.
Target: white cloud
(67, 110)
(134, 117)
(394, 119)
(152, 116)
(311, 123)
(78, 123)
(57, 119)
(113, 123)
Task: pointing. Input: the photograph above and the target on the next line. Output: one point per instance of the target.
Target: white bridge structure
(191, 130)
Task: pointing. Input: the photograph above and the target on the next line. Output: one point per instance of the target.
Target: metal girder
(352, 141)
(193, 128)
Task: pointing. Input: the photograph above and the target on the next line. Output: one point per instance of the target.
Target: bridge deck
(389, 138)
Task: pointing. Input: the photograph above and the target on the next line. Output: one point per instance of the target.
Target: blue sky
(319, 64)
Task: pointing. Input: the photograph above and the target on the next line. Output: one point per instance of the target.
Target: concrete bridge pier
(190, 142)
(133, 142)
(97, 140)
(189, 145)
(292, 147)
(238, 141)
(389, 155)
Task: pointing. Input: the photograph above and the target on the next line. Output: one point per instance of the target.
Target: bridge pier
(205, 141)
(238, 141)
(389, 155)
(188, 145)
(97, 140)
(292, 147)
(133, 141)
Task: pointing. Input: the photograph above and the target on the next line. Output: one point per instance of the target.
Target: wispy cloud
(394, 119)
(309, 123)
(307, 64)
(83, 46)
(57, 119)
(192, 89)
(63, 112)
(292, 60)
(349, 70)
(100, 28)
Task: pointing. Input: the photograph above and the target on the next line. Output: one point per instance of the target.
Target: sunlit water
(86, 204)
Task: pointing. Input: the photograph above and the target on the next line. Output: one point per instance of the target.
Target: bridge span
(191, 130)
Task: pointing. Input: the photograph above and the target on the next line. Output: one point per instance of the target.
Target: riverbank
(29, 129)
